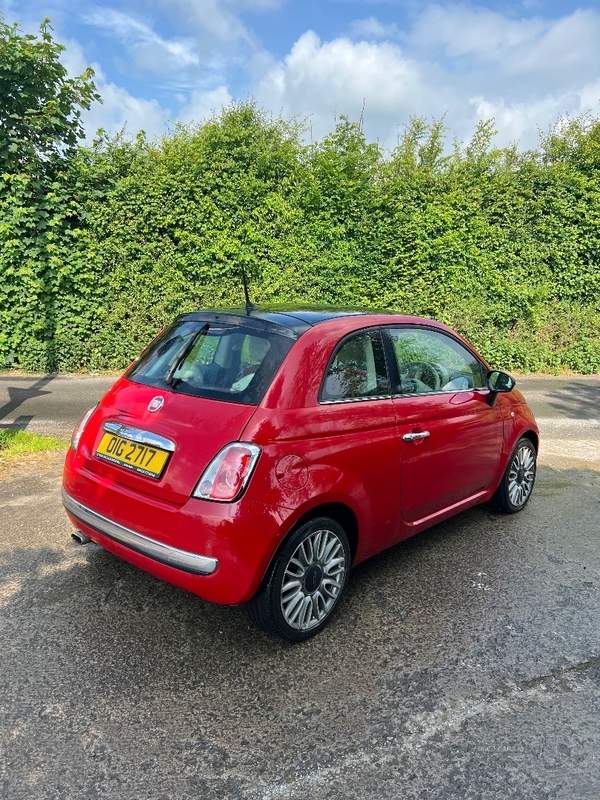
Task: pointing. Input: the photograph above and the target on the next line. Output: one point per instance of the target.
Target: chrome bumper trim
(137, 435)
(163, 553)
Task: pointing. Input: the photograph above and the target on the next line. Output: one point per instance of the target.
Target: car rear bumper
(218, 551)
(163, 553)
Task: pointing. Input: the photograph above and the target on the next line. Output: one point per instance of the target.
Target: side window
(357, 369)
(431, 361)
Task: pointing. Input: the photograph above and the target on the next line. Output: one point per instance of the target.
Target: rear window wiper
(185, 353)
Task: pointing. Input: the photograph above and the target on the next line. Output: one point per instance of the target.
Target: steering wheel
(426, 373)
(444, 374)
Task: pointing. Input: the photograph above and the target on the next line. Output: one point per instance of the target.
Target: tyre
(305, 582)
(517, 482)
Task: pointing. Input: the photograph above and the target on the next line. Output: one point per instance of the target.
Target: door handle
(410, 437)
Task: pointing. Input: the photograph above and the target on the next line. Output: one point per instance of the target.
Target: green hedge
(503, 245)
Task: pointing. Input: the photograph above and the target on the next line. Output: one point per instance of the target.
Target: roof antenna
(249, 306)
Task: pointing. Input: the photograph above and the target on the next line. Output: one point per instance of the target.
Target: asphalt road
(464, 663)
(50, 404)
(567, 409)
(57, 402)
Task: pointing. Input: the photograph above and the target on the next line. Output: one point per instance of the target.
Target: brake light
(81, 427)
(228, 473)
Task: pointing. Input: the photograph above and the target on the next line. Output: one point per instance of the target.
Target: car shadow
(18, 395)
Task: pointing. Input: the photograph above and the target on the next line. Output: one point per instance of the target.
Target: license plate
(141, 458)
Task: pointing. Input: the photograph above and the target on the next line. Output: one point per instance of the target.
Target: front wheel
(517, 482)
(305, 583)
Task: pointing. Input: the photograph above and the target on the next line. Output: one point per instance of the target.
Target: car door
(450, 436)
(357, 436)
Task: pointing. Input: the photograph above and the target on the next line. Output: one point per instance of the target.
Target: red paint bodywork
(348, 457)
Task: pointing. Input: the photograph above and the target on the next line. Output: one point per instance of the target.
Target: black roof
(289, 319)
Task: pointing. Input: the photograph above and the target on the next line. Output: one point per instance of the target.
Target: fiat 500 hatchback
(255, 457)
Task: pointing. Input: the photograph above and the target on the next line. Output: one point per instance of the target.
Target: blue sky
(524, 63)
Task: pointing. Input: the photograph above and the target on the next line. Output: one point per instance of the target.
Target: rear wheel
(517, 482)
(305, 583)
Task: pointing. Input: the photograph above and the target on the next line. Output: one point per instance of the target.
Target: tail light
(81, 427)
(227, 475)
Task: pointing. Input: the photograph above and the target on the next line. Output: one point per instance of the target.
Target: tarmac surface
(463, 663)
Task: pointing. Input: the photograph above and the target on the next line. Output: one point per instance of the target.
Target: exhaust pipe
(80, 537)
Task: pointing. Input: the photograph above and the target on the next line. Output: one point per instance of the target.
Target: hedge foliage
(100, 253)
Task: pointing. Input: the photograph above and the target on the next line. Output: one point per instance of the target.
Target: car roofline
(230, 318)
(286, 320)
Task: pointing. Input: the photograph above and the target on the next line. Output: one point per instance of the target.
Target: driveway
(464, 663)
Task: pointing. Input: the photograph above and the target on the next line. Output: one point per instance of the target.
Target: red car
(254, 457)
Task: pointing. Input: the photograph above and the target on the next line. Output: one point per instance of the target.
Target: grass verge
(15, 444)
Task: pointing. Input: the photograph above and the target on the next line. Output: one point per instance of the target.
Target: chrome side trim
(137, 435)
(450, 510)
(163, 553)
(399, 396)
(361, 399)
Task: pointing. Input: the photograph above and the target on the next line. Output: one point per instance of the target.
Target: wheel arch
(533, 438)
(341, 513)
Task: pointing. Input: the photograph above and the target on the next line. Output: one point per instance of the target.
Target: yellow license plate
(142, 458)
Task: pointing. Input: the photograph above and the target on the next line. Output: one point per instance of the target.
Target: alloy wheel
(521, 476)
(313, 579)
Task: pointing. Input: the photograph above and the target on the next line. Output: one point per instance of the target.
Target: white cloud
(589, 96)
(372, 28)
(119, 109)
(464, 60)
(122, 110)
(218, 22)
(567, 52)
(323, 79)
(253, 5)
(520, 122)
(459, 30)
(539, 51)
(151, 50)
(203, 104)
(222, 40)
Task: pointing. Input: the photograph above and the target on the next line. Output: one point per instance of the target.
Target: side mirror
(498, 381)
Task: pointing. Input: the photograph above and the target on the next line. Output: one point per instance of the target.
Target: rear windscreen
(217, 361)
